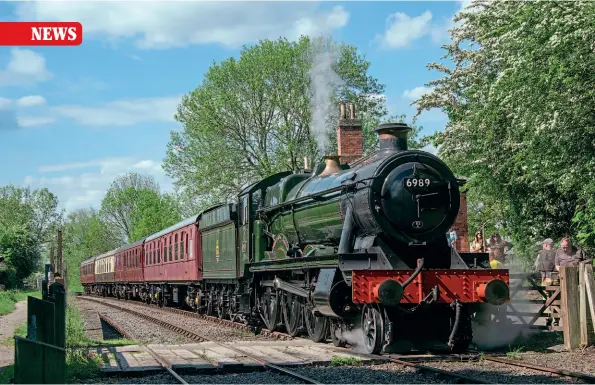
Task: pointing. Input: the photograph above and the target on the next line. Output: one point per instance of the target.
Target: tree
(254, 116)
(85, 235)
(153, 213)
(120, 202)
(20, 249)
(37, 208)
(520, 99)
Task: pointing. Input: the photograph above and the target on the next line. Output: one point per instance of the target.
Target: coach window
(171, 248)
(182, 248)
(176, 247)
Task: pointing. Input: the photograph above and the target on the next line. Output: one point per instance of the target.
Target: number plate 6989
(417, 182)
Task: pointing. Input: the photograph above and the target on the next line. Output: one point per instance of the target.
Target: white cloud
(416, 93)
(402, 29)
(30, 101)
(87, 181)
(123, 112)
(32, 121)
(24, 67)
(155, 24)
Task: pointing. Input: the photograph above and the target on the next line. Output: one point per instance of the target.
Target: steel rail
(198, 337)
(461, 378)
(162, 361)
(582, 376)
(233, 324)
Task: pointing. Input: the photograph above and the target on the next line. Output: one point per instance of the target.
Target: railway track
(459, 378)
(401, 359)
(199, 338)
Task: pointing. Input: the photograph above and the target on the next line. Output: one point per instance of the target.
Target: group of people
(549, 259)
(495, 246)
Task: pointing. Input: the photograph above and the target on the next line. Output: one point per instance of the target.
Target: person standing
(451, 236)
(545, 262)
(567, 255)
(478, 245)
(497, 247)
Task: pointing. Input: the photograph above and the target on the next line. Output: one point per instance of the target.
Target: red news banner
(40, 33)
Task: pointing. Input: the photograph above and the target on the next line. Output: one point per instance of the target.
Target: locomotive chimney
(332, 165)
(393, 136)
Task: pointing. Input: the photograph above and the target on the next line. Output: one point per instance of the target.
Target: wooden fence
(563, 301)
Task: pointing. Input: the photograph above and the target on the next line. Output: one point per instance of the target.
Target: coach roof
(89, 260)
(179, 225)
(131, 245)
(108, 254)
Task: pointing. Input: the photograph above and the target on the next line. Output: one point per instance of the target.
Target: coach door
(243, 232)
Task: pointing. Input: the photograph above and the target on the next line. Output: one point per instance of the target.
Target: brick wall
(461, 226)
(350, 140)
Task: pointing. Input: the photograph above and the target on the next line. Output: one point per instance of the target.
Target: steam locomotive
(330, 252)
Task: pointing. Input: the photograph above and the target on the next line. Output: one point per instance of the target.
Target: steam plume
(324, 81)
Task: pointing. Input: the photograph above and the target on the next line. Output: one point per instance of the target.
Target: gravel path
(8, 324)
(143, 331)
(218, 332)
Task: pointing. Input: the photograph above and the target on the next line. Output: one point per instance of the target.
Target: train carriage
(129, 272)
(105, 273)
(87, 271)
(172, 262)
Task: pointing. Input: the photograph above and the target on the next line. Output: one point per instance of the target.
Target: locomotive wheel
(292, 313)
(317, 327)
(373, 328)
(337, 334)
(269, 308)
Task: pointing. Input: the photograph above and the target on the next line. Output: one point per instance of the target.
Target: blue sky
(73, 118)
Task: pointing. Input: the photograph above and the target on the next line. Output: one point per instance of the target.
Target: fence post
(569, 286)
(587, 335)
(60, 314)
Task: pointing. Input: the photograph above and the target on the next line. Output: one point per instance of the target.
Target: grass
(514, 354)
(345, 361)
(21, 332)
(8, 299)
(6, 374)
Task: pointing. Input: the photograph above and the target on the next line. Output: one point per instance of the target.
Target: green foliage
(36, 208)
(9, 298)
(27, 218)
(6, 374)
(120, 202)
(21, 251)
(80, 366)
(345, 361)
(252, 116)
(153, 212)
(521, 126)
(85, 235)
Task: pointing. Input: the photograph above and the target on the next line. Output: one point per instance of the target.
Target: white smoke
(324, 81)
(355, 338)
(494, 335)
